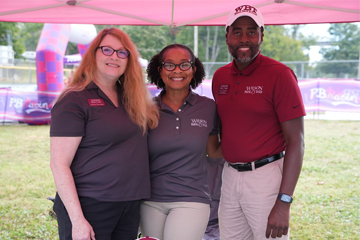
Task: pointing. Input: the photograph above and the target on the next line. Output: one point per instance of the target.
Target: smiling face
(110, 67)
(244, 38)
(177, 79)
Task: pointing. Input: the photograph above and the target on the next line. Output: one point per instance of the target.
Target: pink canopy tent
(175, 13)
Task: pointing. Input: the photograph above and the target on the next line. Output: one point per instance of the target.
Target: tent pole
(196, 34)
(358, 76)
(172, 14)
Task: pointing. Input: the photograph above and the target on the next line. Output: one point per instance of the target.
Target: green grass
(327, 197)
(26, 182)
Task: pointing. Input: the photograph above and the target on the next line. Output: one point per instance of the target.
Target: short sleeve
(287, 97)
(68, 117)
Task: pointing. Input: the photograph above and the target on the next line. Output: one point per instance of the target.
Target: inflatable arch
(50, 54)
(51, 49)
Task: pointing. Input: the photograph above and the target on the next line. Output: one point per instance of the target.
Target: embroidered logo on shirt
(223, 89)
(96, 102)
(254, 89)
(198, 123)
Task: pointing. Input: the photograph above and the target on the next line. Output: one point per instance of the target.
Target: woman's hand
(82, 230)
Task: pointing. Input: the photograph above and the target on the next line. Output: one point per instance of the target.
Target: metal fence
(302, 69)
(24, 71)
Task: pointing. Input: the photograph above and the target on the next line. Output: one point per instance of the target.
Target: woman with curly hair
(179, 205)
(98, 143)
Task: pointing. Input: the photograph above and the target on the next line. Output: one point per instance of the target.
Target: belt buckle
(240, 163)
(238, 166)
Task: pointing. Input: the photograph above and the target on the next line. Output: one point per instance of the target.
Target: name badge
(223, 89)
(96, 102)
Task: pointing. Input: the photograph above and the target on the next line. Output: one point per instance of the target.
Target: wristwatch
(285, 198)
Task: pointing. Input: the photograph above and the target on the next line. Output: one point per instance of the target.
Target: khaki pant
(174, 220)
(246, 201)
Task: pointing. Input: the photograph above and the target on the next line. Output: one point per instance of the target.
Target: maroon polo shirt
(252, 104)
(111, 162)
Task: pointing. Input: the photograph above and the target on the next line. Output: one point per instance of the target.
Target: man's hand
(82, 230)
(278, 221)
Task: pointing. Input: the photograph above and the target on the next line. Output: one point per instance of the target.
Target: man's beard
(244, 59)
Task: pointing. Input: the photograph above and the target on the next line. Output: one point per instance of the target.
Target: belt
(242, 167)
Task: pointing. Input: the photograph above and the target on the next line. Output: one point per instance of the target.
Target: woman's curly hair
(154, 67)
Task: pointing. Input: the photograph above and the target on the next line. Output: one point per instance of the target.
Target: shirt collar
(190, 99)
(92, 85)
(249, 69)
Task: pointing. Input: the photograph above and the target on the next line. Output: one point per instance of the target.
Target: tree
(149, 39)
(295, 33)
(27, 35)
(287, 45)
(214, 45)
(345, 39)
(302, 69)
(9, 35)
(31, 33)
(211, 45)
(281, 45)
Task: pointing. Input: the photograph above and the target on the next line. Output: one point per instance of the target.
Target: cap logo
(246, 8)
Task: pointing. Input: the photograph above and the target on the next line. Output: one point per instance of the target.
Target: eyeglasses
(108, 51)
(172, 66)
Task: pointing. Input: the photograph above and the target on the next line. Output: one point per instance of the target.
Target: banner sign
(26, 106)
(331, 95)
(33, 107)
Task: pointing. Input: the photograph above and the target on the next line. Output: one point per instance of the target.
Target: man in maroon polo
(261, 111)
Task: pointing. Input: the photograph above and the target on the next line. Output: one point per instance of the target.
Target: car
(29, 55)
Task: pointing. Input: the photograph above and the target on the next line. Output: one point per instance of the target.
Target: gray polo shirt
(111, 163)
(177, 150)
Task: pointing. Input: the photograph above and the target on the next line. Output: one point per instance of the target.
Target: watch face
(285, 198)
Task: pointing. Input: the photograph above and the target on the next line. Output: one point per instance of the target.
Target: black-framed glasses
(108, 51)
(184, 66)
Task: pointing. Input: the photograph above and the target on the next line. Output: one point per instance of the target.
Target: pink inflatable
(51, 49)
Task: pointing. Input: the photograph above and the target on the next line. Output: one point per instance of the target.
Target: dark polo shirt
(177, 150)
(111, 163)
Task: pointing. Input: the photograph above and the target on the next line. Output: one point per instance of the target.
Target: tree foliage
(9, 35)
(281, 45)
(212, 47)
(345, 39)
(149, 39)
(31, 33)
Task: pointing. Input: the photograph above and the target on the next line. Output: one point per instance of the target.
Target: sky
(320, 30)
(316, 29)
